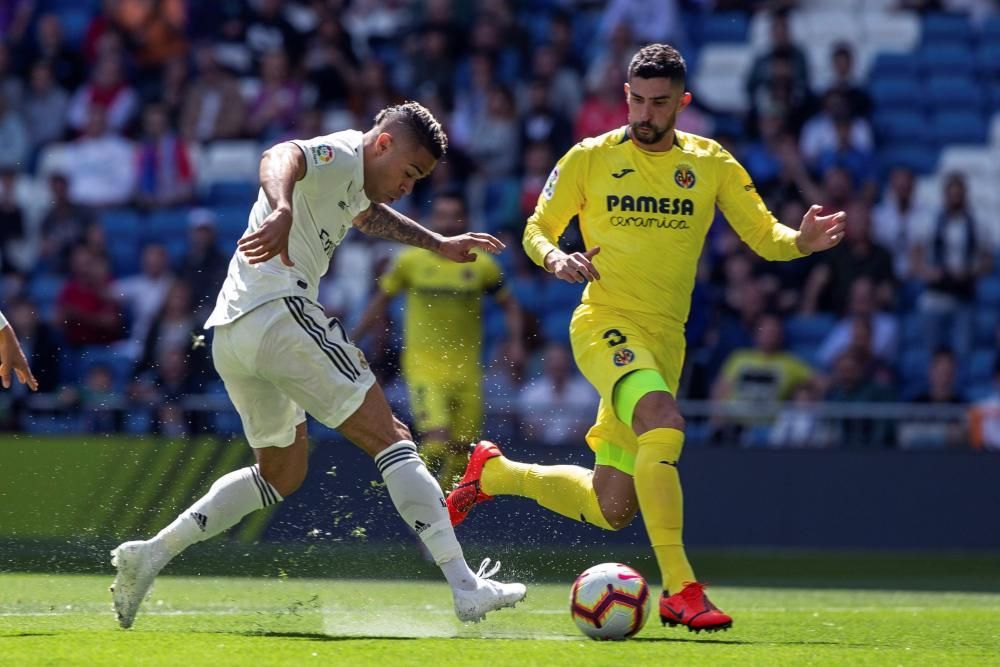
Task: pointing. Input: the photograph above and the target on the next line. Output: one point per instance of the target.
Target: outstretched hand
(575, 268)
(270, 240)
(12, 360)
(459, 248)
(820, 232)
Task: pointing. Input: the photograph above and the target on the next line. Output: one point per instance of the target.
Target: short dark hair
(419, 123)
(658, 61)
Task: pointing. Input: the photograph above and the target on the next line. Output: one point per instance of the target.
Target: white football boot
(138, 566)
(488, 596)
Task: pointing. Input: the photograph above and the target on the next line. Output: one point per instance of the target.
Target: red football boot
(467, 493)
(691, 607)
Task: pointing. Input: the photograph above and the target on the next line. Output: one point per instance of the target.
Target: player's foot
(691, 607)
(137, 567)
(468, 493)
(488, 596)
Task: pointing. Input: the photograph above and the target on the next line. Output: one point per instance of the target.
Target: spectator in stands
(764, 373)
(859, 162)
(765, 156)
(107, 91)
(63, 225)
(172, 328)
(782, 282)
(14, 138)
(828, 287)
(45, 106)
(863, 324)
(12, 227)
(896, 220)
(333, 68)
(50, 46)
(604, 108)
(143, 294)
(779, 78)
(165, 173)
(164, 390)
(537, 163)
(949, 263)
(86, 309)
(11, 86)
(431, 63)
(99, 402)
(494, 146)
(859, 103)
(38, 341)
(213, 105)
(820, 133)
(204, 266)
(926, 429)
(275, 108)
(984, 417)
(616, 51)
(540, 122)
(562, 81)
(100, 165)
(172, 87)
(471, 100)
(375, 90)
(798, 424)
(268, 31)
(853, 381)
(650, 22)
(552, 405)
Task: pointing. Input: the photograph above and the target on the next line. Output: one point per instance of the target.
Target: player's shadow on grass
(318, 636)
(27, 634)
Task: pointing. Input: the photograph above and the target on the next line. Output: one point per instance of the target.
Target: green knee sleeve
(631, 388)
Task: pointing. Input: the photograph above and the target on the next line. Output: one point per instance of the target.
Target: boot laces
(485, 571)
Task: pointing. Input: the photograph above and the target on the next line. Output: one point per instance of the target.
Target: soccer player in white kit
(281, 357)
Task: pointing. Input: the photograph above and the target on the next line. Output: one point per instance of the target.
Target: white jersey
(324, 204)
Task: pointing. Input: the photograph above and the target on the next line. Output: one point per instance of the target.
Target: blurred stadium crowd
(132, 130)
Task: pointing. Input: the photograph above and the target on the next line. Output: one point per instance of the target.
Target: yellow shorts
(609, 344)
(451, 403)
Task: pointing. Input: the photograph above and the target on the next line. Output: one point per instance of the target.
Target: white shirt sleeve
(330, 163)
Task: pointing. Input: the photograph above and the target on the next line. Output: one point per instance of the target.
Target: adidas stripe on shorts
(286, 358)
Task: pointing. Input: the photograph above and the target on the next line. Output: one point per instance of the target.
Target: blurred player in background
(646, 195)
(443, 338)
(12, 359)
(281, 357)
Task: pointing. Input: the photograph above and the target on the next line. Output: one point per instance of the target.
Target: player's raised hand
(575, 268)
(12, 359)
(270, 240)
(459, 248)
(820, 232)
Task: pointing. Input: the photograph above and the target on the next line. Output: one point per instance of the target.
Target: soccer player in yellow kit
(443, 337)
(646, 195)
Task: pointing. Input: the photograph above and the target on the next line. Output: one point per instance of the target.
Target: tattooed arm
(381, 221)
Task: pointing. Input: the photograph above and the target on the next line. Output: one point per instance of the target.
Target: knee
(657, 410)
(286, 479)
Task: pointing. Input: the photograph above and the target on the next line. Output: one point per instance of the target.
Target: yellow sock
(565, 490)
(658, 487)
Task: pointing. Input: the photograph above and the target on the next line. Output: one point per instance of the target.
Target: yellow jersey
(443, 332)
(649, 213)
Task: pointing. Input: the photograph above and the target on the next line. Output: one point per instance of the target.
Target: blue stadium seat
(725, 27)
(940, 26)
(43, 289)
(985, 323)
(990, 30)
(232, 192)
(119, 221)
(74, 23)
(948, 58)
(117, 364)
(894, 65)
(911, 330)
(921, 159)
(555, 326)
(559, 295)
(979, 367)
(988, 292)
(951, 92)
(500, 205)
(166, 224)
(988, 57)
(231, 221)
(807, 330)
(897, 92)
(913, 364)
(959, 127)
(900, 125)
(125, 255)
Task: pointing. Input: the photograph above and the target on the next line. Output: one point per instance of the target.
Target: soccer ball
(610, 601)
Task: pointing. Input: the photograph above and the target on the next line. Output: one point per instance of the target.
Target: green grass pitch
(67, 619)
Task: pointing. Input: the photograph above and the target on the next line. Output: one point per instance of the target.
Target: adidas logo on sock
(200, 519)
(420, 526)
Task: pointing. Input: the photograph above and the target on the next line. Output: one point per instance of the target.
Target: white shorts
(286, 358)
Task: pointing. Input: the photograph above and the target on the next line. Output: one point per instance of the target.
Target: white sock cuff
(396, 456)
(268, 495)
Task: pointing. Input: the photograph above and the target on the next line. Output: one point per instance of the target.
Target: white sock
(419, 500)
(231, 498)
